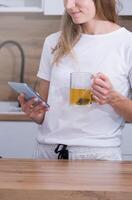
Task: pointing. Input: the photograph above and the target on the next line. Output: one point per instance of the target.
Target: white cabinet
(53, 7)
(126, 7)
(21, 5)
(17, 139)
(127, 142)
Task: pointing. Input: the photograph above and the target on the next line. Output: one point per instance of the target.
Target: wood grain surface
(68, 180)
(13, 117)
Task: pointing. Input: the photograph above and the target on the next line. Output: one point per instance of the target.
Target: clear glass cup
(80, 88)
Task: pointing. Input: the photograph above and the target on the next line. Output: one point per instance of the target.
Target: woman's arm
(42, 87)
(104, 93)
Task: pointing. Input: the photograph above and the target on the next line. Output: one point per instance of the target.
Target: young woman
(90, 41)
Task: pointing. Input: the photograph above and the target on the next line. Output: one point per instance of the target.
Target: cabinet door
(53, 7)
(11, 3)
(21, 5)
(126, 7)
(18, 139)
(127, 142)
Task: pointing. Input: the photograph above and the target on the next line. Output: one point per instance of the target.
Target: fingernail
(36, 99)
(44, 104)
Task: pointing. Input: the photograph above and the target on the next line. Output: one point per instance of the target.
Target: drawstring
(63, 152)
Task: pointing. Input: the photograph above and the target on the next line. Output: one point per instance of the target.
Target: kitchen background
(29, 29)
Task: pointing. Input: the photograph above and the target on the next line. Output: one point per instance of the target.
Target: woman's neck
(99, 27)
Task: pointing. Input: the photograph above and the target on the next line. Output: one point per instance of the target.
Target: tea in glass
(80, 88)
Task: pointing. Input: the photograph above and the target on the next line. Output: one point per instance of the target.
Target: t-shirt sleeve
(130, 78)
(130, 69)
(45, 66)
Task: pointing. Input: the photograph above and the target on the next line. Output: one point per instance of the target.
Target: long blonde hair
(70, 32)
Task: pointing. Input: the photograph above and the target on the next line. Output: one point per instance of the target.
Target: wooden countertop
(13, 117)
(68, 180)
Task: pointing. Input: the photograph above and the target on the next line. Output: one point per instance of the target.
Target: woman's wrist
(122, 105)
(38, 120)
(115, 98)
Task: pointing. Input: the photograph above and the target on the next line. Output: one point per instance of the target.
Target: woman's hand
(102, 89)
(104, 93)
(33, 108)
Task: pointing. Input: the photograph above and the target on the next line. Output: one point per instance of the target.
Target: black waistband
(62, 152)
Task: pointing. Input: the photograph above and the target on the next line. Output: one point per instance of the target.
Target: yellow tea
(81, 96)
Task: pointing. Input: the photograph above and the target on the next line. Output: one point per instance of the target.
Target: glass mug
(80, 88)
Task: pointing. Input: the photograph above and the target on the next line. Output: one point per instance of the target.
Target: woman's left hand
(101, 88)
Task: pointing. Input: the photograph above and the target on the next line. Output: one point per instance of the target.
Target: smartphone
(27, 91)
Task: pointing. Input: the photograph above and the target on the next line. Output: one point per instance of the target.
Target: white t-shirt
(95, 125)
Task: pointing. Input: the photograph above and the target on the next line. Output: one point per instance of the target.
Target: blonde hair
(70, 32)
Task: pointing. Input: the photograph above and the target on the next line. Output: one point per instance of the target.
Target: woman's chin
(77, 21)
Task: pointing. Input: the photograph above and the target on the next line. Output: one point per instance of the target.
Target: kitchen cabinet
(127, 142)
(126, 7)
(21, 5)
(56, 7)
(53, 7)
(17, 139)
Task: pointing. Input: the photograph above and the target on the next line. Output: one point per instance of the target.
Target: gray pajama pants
(46, 151)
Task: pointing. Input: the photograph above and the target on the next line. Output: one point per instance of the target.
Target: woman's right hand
(33, 108)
